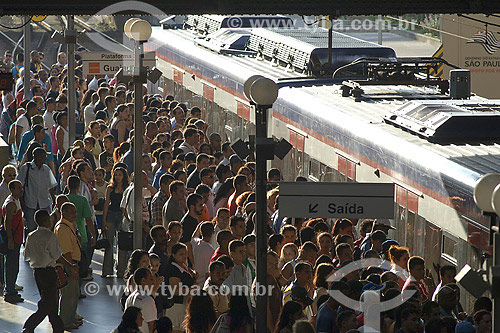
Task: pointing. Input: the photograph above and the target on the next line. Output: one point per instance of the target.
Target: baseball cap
(38, 128)
(299, 294)
(387, 245)
(383, 222)
(465, 327)
(50, 100)
(372, 286)
(234, 159)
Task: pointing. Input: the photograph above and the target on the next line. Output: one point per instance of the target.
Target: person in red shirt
(14, 227)
(223, 239)
(240, 184)
(418, 278)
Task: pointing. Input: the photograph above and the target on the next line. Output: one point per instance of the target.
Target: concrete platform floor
(102, 312)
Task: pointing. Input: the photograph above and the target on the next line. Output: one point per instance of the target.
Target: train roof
(322, 109)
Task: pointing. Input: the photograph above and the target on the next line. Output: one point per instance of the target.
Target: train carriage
(374, 135)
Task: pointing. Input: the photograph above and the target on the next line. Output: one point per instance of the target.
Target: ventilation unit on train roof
(449, 121)
(207, 24)
(306, 51)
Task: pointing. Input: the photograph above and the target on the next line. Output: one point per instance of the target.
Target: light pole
(262, 92)
(140, 31)
(487, 198)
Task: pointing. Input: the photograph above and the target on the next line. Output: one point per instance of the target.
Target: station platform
(102, 312)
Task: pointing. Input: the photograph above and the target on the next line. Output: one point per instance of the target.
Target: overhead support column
(27, 50)
(70, 40)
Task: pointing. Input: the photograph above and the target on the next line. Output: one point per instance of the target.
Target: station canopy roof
(235, 7)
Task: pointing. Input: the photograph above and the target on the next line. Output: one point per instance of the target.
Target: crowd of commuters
(61, 199)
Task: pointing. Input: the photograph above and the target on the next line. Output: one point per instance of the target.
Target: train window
(400, 214)
(315, 169)
(432, 249)
(410, 234)
(450, 250)
(326, 173)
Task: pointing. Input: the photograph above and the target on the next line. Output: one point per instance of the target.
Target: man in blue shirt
(328, 311)
(166, 162)
(37, 133)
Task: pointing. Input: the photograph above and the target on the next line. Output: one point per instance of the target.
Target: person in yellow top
(69, 243)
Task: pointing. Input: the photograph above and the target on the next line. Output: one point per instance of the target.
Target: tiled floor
(102, 312)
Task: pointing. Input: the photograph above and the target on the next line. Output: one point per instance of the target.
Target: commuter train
(354, 113)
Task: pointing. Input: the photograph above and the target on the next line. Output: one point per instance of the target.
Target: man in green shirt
(84, 214)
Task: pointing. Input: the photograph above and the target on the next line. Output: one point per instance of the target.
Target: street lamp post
(140, 31)
(487, 198)
(262, 92)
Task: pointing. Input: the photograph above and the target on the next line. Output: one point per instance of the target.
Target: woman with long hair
(237, 319)
(399, 256)
(138, 259)
(325, 242)
(61, 134)
(131, 321)
(120, 151)
(87, 107)
(118, 128)
(323, 271)
(223, 194)
(200, 314)
(112, 217)
(290, 313)
(179, 275)
(342, 227)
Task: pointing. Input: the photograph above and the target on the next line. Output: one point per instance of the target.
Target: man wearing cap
(447, 300)
(48, 118)
(466, 327)
(39, 183)
(235, 163)
(378, 224)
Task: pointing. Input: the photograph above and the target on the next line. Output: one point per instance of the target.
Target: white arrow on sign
(348, 200)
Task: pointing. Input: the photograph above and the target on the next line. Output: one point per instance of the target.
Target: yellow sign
(38, 18)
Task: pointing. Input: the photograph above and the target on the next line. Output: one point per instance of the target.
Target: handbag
(62, 278)
(100, 205)
(125, 240)
(102, 243)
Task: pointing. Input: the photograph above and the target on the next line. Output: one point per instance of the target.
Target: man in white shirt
(23, 123)
(48, 119)
(203, 251)
(43, 252)
(39, 183)
(145, 282)
(190, 141)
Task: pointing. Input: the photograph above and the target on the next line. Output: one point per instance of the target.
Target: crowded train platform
(68, 262)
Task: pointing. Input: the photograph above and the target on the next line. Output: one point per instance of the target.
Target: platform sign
(335, 200)
(106, 63)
